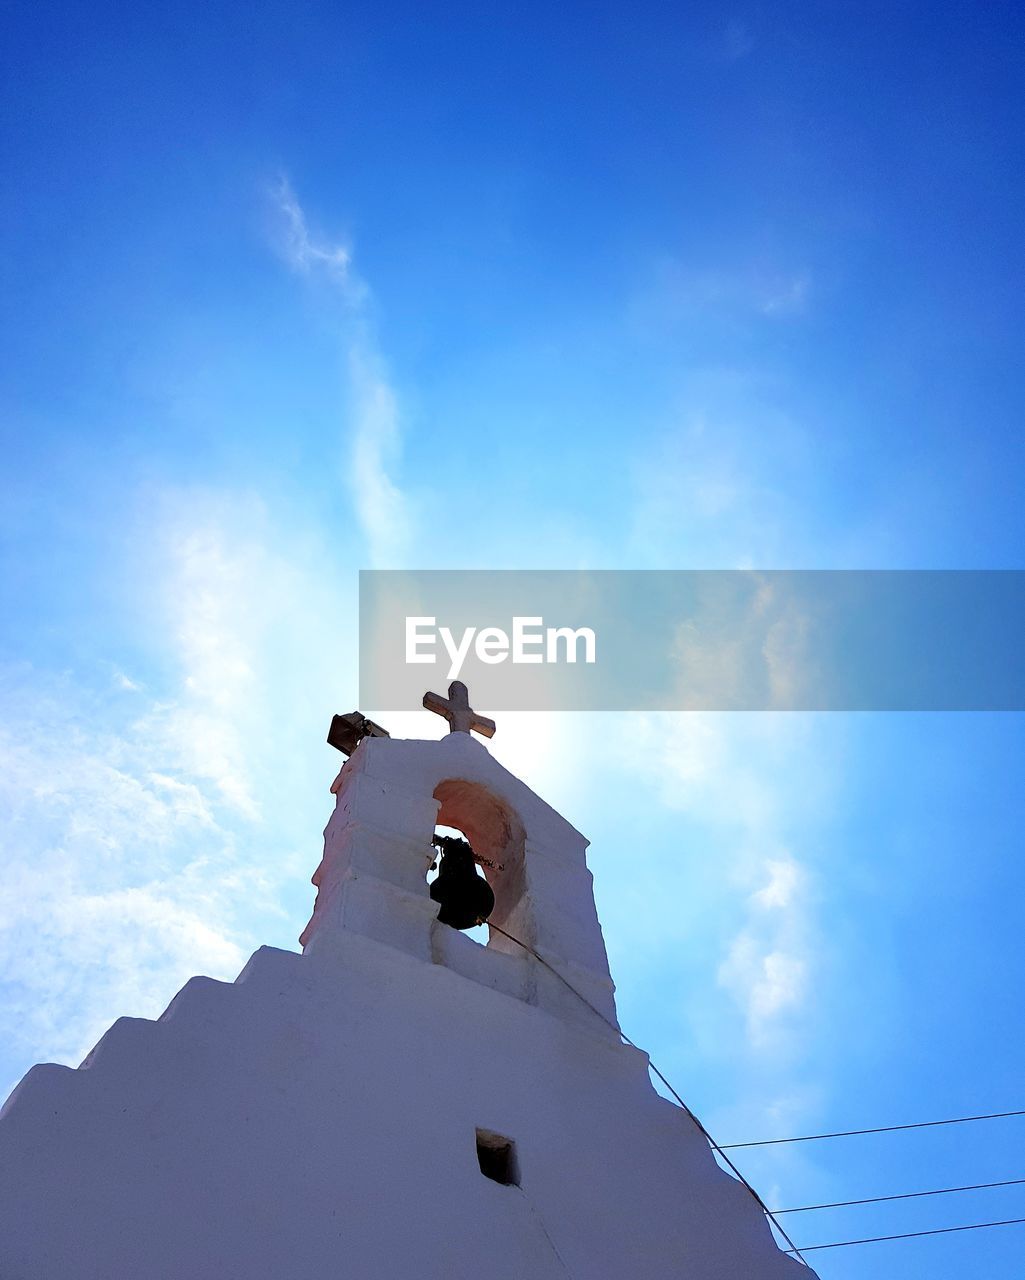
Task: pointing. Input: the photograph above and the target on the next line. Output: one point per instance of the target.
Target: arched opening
(497, 837)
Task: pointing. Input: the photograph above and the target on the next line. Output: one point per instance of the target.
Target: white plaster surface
(317, 1118)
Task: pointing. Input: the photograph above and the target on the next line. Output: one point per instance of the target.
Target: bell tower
(398, 1099)
(390, 796)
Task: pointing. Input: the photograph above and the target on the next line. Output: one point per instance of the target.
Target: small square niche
(497, 1158)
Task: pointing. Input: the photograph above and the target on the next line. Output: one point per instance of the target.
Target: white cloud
(785, 881)
(375, 438)
(745, 779)
(785, 295)
(743, 643)
(681, 293)
(381, 507)
(301, 250)
(766, 967)
(150, 837)
(101, 911)
(729, 486)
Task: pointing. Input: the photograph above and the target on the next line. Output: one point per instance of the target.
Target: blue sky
(295, 292)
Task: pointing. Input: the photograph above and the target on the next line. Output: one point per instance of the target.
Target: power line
(907, 1195)
(907, 1235)
(619, 1032)
(770, 1213)
(890, 1128)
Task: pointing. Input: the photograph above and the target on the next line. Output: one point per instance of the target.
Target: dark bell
(466, 898)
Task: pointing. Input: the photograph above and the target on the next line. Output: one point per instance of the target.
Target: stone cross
(457, 711)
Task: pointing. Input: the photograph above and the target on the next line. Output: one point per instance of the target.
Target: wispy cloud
(679, 294)
(147, 834)
(375, 437)
(767, 965)
(727, 487)
(381, 506)
(744, 642)
(305, 253)
(744, 780)
(150, 827)
(102, 907)
(785, 295)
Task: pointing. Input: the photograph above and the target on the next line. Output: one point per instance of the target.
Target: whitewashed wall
(318, 1117)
